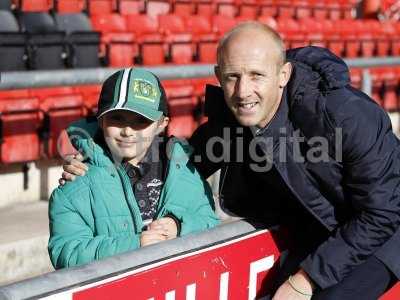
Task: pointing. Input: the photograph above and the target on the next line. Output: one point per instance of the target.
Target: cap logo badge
(144, 90)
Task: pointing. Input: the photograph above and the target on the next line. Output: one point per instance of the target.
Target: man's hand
(301, 282)
(166, 224)
(154, 236)
(73, 166)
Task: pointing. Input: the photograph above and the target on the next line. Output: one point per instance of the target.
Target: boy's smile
(129, 135)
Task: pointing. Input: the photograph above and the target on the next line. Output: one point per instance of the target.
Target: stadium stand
(12, 43)
(19, 124)
(177, 39)
(204, 38)
(100, 7)
(69, 6)
(46, 48)
(150, 41)
(82, 43)
(59, 107)
(117, 44)
(119, 33)
(131, 7)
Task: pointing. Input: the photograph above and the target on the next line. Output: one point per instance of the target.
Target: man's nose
(242, 88)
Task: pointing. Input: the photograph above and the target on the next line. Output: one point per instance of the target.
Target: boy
(137, 179)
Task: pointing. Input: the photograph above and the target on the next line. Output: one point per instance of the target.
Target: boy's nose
(127, 131)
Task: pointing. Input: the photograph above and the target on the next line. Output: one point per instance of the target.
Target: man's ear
(217, 72)
(284, 74)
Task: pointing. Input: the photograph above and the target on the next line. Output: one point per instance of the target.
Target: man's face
(129, 135)
(252, 79)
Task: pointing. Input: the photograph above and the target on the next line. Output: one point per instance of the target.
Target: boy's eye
(116, 117)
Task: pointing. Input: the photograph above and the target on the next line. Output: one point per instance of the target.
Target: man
(298, 146)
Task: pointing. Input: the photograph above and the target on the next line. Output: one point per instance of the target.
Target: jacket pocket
(114, 225)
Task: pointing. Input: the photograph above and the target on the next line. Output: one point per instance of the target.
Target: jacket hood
(82, 135)
(317, 65)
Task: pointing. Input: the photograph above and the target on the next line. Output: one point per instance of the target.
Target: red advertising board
(237, 269)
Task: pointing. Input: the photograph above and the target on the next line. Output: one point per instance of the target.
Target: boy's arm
(199, 214)
(72, 241)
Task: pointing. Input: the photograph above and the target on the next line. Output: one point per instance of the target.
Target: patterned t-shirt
(147, 178)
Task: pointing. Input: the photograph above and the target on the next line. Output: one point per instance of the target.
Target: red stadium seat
(268, 7)
(199, 85)
(204, 37)
(226, 8)
(183, 7)
(119, 44)
(177, 38)
(70, 6)
(377, 85)
(334, 12)
(271, 22)
(131, 7)
(222, 24)
(157, 7)
(332, 36)
(303, 9)
(249, 8)
(285, 9)
(181, 103)
(384, 38)
(390, 83)
(396, 41)
(320, 9)
(101, 7)
(205, 7)
(19, 120)
(90, 94)
(291, 33)
(347, 30)
(315, 36)
(355, 76)
(60, 106)
(367, 31)
(34, 5)
(145, 28)
(347, 8)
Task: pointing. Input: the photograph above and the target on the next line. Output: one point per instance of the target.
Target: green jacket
(97, 215)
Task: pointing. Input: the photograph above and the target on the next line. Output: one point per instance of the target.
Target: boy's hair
(136, 90)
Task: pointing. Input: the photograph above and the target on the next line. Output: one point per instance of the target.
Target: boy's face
(129, 135)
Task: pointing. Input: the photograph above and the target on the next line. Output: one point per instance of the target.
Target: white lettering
(191, 292)
(257, 267)
(224, 286)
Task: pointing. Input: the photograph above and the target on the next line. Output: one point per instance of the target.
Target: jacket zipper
(131, 198)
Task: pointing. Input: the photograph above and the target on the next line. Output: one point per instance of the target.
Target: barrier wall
(234, 261)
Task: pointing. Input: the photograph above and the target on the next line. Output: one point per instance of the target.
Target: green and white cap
(136, 90)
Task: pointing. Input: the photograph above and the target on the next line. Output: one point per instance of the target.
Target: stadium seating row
(32, 122)
(333, 9)
(38, 40)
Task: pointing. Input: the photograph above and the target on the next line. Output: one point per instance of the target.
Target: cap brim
(143, 111)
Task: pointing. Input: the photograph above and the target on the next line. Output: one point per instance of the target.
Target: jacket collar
(277, 125)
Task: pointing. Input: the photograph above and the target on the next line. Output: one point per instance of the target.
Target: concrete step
(23, 242)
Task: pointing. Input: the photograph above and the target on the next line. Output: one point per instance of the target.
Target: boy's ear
(162, 124)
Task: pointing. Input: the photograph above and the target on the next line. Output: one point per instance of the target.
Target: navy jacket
(352, 190)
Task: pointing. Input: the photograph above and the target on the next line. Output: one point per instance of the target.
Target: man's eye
(231, 77)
